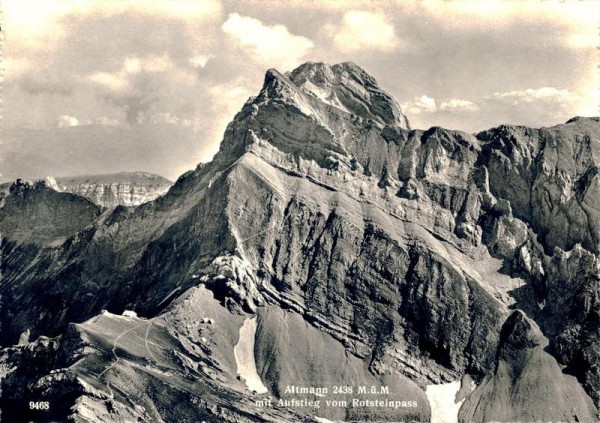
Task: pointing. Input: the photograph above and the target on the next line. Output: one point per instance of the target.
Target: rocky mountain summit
(326, 245)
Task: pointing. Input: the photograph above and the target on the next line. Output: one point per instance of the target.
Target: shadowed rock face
(527, 383)
(551, 178)
(35, 212)
(325, 215)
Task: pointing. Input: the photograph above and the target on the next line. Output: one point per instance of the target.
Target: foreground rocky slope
(395, 256)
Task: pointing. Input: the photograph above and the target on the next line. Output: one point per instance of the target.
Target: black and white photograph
(321, 211)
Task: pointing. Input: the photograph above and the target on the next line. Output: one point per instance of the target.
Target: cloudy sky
(105, 85)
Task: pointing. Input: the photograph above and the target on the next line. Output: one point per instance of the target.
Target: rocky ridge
(408, 247)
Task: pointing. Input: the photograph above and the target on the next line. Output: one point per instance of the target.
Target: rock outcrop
(401, 251)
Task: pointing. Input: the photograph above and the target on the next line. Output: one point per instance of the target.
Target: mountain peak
(348, 86)
(324, 74)
(344, 86)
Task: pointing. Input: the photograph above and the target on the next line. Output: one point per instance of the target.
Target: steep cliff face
(125, 189)
(551, 178)
(325, 215)
(550, 231)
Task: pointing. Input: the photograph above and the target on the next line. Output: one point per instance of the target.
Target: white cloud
(112, 81)
(179, 9)
(132, 65)
(121, 80)
(559, 104)
(477, 13)
(363, 30)
(229, 97)
(148, 64)
(425, 104)
(174, 9)
(579, 19)
(37, 22)
(587, 104)
(66, 121)
(170, 118)
(103, 120)
(529, 95)
(199, 60)
(532, 107)
(226, 100)
(456, 104)
(566, 101)
(30, 20)
(36, 14)
(12, 67)
(272, 45)
(422, 104)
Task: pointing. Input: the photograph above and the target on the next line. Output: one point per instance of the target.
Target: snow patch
(244, 357)
(441, 399)
(324, 420)
(24, 338)
(542, 304)
(326, 96)
(169, 295)
(130, 313)
(51, 183)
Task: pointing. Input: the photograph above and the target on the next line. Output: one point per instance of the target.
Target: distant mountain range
(110, 190)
